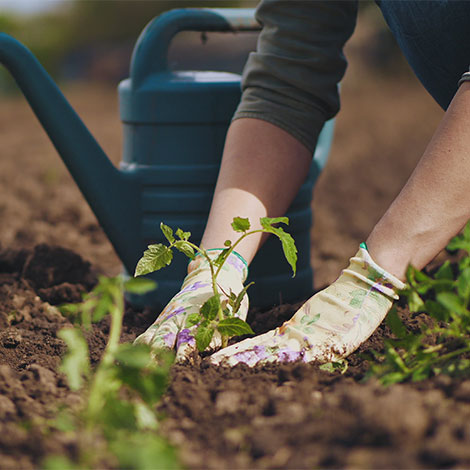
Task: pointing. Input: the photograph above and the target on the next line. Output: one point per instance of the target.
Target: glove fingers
(250, 351)
(158, 337)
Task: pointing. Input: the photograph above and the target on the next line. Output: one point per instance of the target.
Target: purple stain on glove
(287, 355)
(175, 312)
(185, 336)
(236, 263)
(247, 357)
(195, 286)
(260, 352)
(169, 339)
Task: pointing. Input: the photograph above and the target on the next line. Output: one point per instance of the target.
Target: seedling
(116, 419)
(218, 313)
(442, 346)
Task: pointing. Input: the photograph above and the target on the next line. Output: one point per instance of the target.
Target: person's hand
(169, 331)
(330, 325)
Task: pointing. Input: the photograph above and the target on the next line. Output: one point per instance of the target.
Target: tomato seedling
(218, 313)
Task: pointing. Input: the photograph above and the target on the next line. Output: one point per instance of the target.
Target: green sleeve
(292, 79)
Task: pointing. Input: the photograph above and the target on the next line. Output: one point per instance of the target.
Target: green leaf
(270, 221)
(203, 336)
(192, 319)
(140, 286)
(340, 366)
(234, 326)
(76, 362)
(155, 257)
(463, 285)
(168, 232)
(395, 324)
(288, 244)
(240, 224)
(451, 302)
(436, 310)
(445, 271)
(183, 235)
(185, 248)
(239, 298)
(59, 462)
(210, 308)
(102, 307)
(460, 242)
(415, 302)
(133, 355)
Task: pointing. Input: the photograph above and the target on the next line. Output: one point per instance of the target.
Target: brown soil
(292, 416)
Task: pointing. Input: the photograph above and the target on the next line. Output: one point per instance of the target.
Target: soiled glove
(169, 330)
(330, 325)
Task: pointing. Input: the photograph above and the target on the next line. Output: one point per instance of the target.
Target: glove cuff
(363, 267)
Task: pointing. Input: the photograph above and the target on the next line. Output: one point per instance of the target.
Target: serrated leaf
(288, 244)
(192, 319)
(168, 232)
(155, 257)
(204, 334)
(76, 362)
(183, 235)
(241, 224)
(140, 286)
(185, 247)
(268, 222)
(234, 326)
(210, 308)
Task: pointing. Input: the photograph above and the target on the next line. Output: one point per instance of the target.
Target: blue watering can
(174, 129)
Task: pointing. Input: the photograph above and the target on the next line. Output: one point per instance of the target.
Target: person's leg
(434, 36)
(252, 148)
(435, 203)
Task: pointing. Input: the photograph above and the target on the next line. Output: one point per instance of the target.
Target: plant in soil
(218, 313)
(116, 421)
(442, 343)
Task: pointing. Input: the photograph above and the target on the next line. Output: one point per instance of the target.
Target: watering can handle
(150, 54)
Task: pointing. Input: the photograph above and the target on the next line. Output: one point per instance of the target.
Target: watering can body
(174, 127)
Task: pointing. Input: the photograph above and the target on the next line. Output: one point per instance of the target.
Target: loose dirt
(293, 416)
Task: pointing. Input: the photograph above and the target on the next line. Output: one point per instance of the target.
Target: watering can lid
(180, 97)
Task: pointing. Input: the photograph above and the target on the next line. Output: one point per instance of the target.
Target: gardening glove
(330, 325)
(169, 332)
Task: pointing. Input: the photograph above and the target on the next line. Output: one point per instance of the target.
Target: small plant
(116, 420)
(443, 343)
(215, 314)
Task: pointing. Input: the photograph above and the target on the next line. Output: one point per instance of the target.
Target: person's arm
(290, 88)
(435, 202)
(431, 208)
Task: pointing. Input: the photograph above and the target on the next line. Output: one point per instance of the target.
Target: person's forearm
(434, 204)
(262, 170)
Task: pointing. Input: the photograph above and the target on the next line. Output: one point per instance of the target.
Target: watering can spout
(110, 193)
